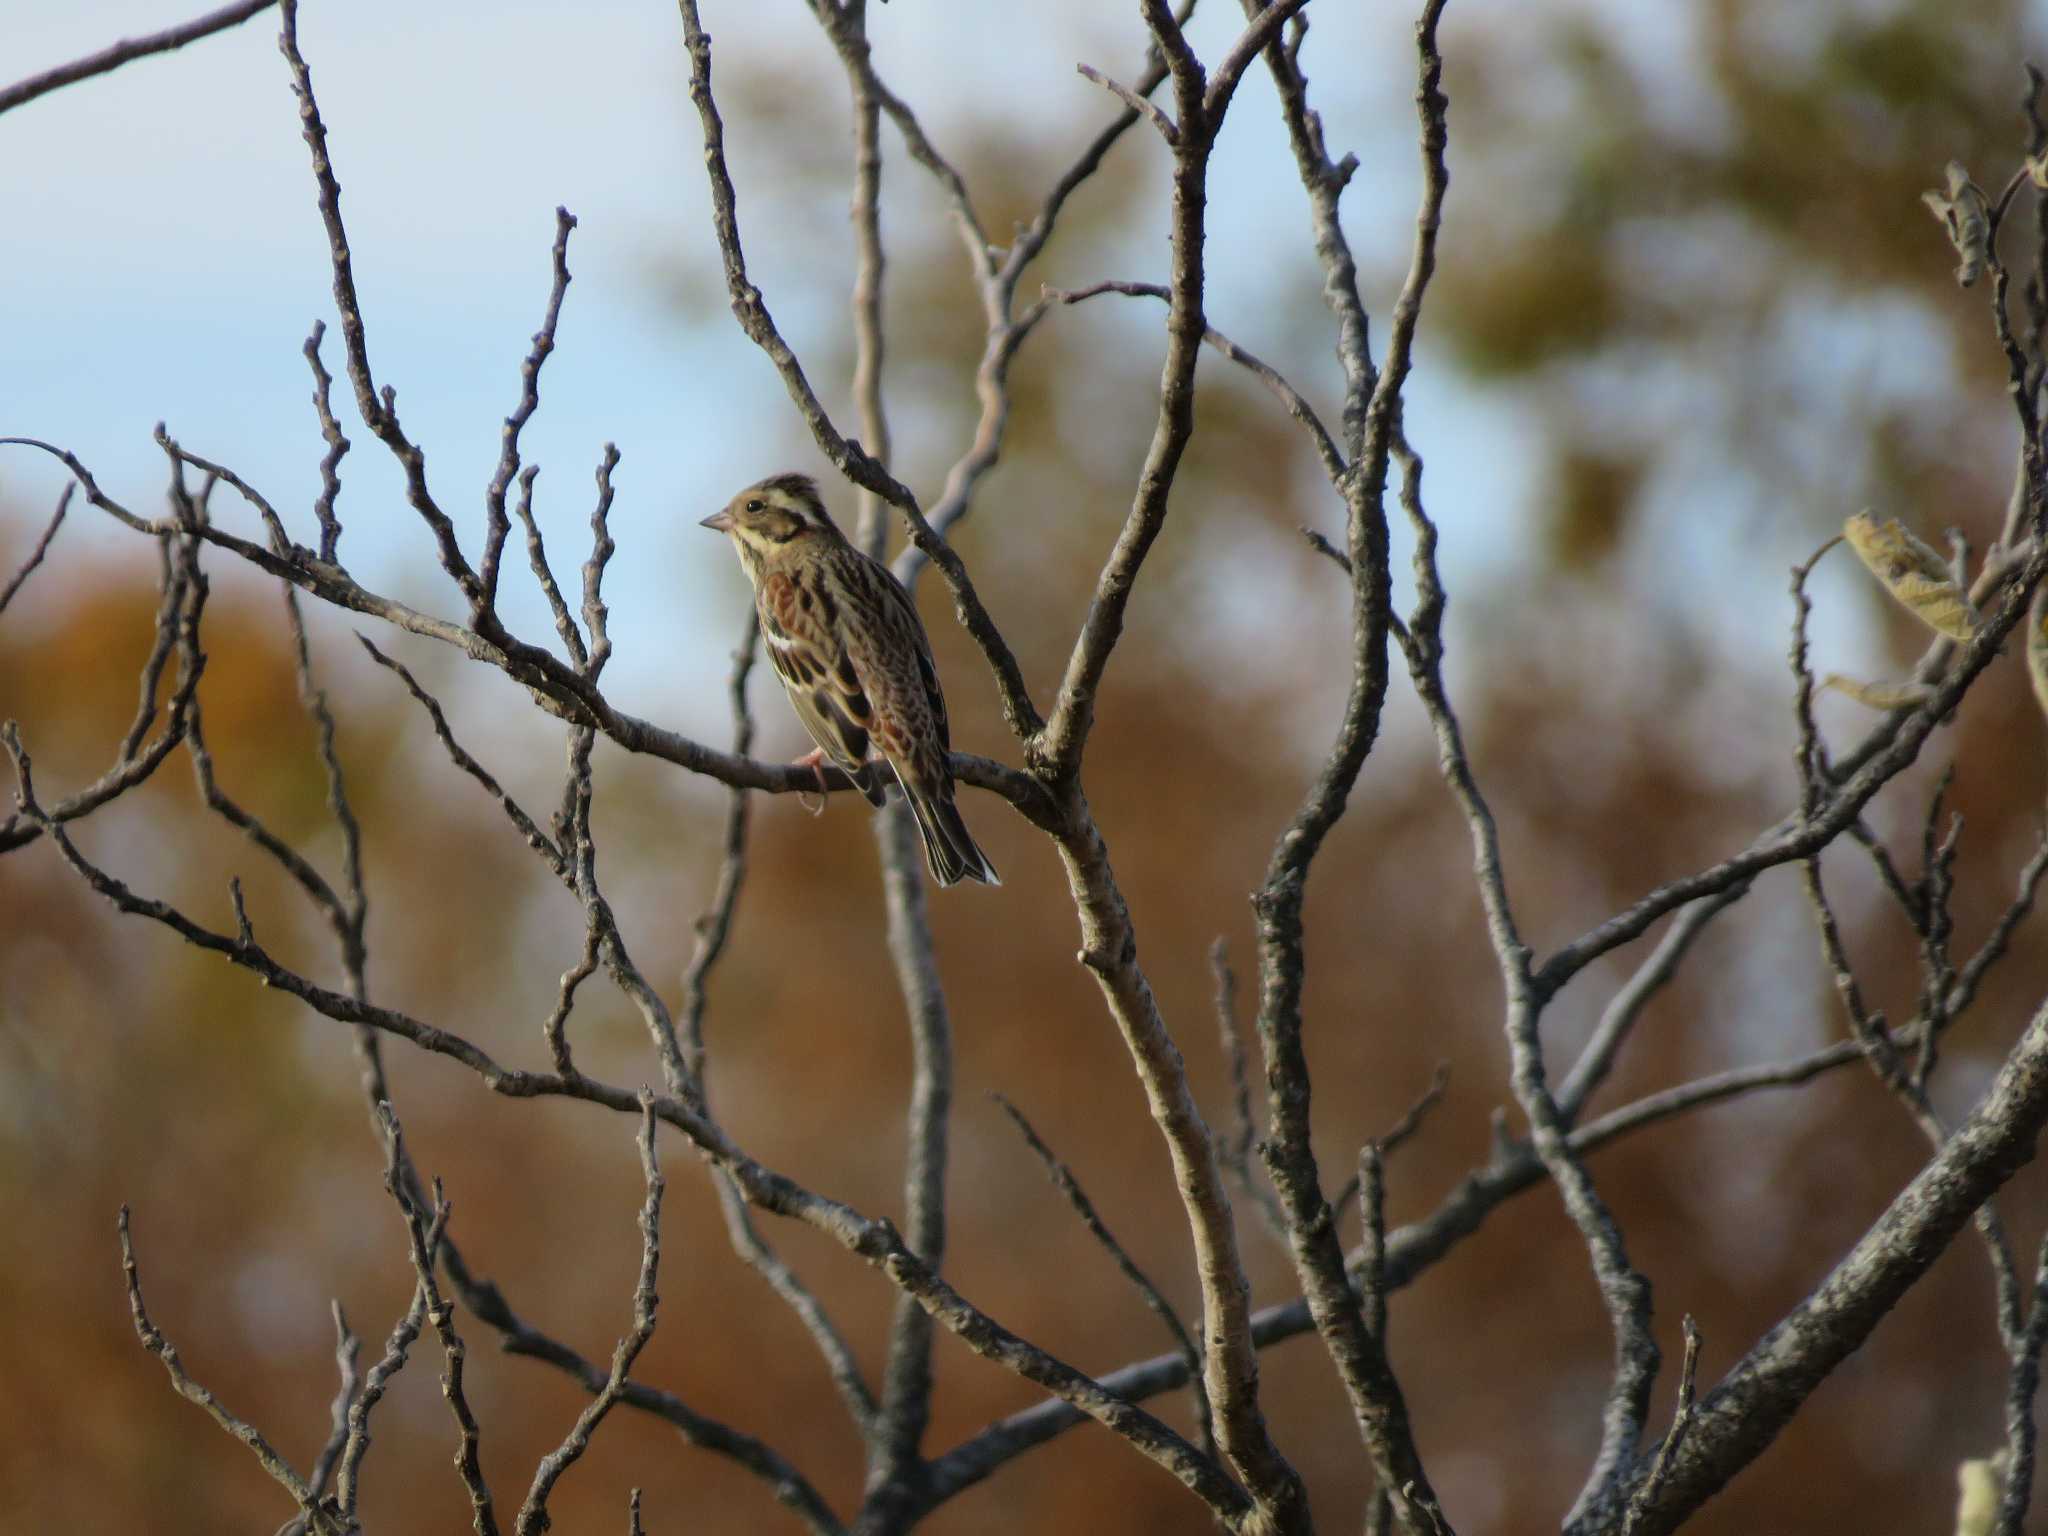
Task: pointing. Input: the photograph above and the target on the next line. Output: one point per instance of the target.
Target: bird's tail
(949, 848)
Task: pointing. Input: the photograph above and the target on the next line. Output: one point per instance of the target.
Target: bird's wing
(899, 615)
(808, 655)
(893, 661)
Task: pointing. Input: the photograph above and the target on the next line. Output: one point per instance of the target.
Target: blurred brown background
(1692, 313)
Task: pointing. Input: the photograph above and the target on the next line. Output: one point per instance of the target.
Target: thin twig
(1681, 1422)
(1410, 1121)
(596, 616)
(1150, 109)
(379, 412)
(848, 457)
(1009, 327)
(1890, 750)
(1371, 1186)
(1624, 1292)
(895, 1436)
(874, 1241)
(1973, 971)
(1235, 1149)
(559, 688)
(2024, 1378)
(1276, 383)
(1619, 1017)
(496, 524)
(1742, 1415)
(42, 547)
(177, 628)
(533, 1515)
(337, 448)
(1064, 1181)
(347, 1352)
(529, 831)
(424, 1232)
(115, 55)
(347, 1355)
(315, 1510)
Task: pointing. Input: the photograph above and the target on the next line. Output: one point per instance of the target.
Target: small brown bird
(852, 655)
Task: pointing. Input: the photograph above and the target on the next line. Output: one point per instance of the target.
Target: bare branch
(347, 1354)
(1680, 1423)
(846, 25)
(1234, 1151)
(848, 457)
(871, 532)
(713, 930)
(1413, 1116)
(907, 1376)
(560, 689)
(337, 448)
(529, 832)
(1064, 1181)
(317, 1513)
(1400, 1131)
(1134, 101)
(543, 573)
(379, 413)
(114, 56)
(1266, 21)
(714, 926)
(2021, 1448)
(42, 548)
(1972, 974)
(1355, 1348)
(1623, 1291)
(1008, 328)
(397, 1350)
(496, 524)
(1410, 1252)
(874, 1241)
(1371, 1185)
(424, 1237)
(1714, 1088)
(93, 493)
(895, 1433)
(1627, 1004)
(1892, 749)
(177, 626)
(1276, 384)
(783, 1480)
(1065, 734)
(1324, 180)
(533, 1515)
(1742, 1415)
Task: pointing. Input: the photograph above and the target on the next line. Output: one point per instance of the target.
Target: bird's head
(773, 514)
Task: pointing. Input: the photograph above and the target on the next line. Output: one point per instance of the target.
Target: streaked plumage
(846, 641)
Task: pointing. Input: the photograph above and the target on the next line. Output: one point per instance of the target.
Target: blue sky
(168, 260)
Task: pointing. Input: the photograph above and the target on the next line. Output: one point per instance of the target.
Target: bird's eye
(754, 506)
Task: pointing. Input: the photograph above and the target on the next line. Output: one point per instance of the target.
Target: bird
(845, 639)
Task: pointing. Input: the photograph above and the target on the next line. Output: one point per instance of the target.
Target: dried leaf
(2037, 170)
(1979, 1487)
(2037, 647)
(1966, 213)
(1879, 695)
(1914, 574)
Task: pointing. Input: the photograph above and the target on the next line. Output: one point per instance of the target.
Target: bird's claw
(815, 761)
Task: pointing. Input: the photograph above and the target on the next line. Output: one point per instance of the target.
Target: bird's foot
(815, 761)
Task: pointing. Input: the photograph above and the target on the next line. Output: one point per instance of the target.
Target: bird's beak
(718, 522)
